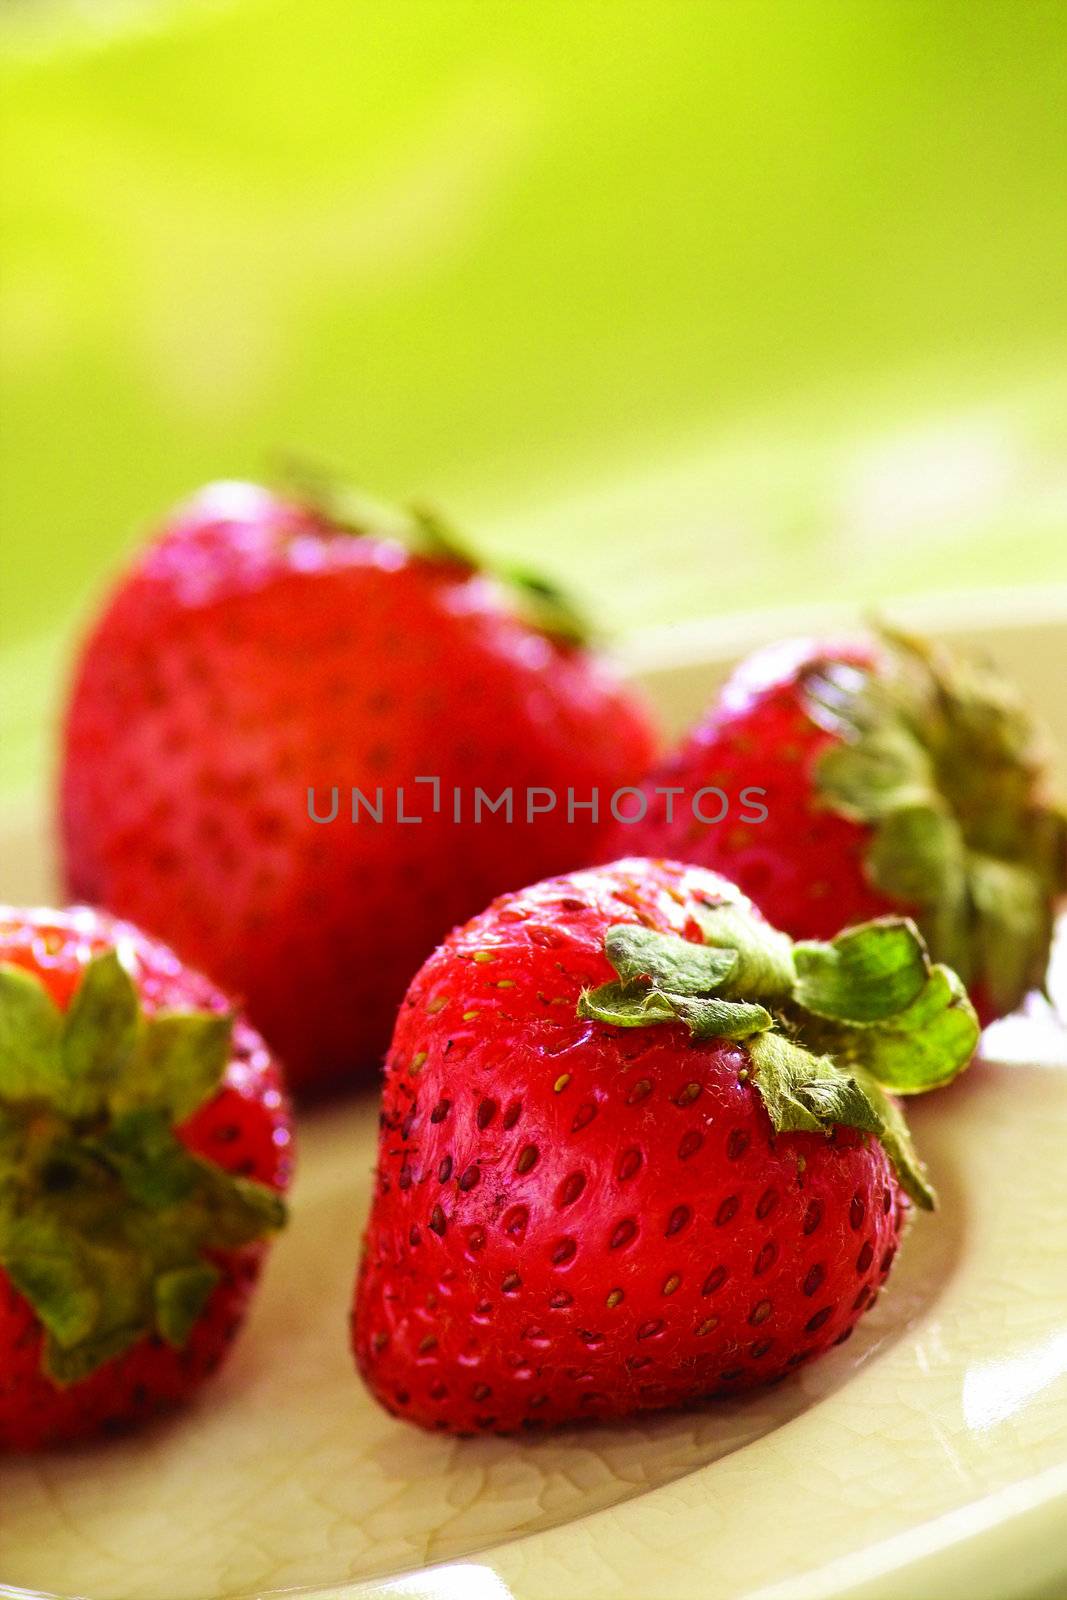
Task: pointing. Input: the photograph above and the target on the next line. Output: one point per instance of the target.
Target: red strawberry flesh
(258, 652)
(243, 1128)
(577, 1221)
(895, 778)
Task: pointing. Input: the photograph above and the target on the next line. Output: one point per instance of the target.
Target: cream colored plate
(926, 1457)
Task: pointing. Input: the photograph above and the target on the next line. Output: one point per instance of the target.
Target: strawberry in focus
(144, 1150)
(263, 658)
(637, 1149)
(895, 777)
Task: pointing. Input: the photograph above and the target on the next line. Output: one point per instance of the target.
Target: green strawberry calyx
(942, 760)
(833, 1030)
(107, 1221)
(426, 532)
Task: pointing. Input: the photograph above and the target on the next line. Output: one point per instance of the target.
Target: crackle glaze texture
(924, 1457)
(287, 1473)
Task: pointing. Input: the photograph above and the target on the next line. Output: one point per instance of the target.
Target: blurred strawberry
(262, 658)
(144, 1146)
(893, 777)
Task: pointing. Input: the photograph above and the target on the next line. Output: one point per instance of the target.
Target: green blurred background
(701, 306)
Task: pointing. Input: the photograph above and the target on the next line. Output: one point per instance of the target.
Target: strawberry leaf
(763, 968)
(181, 1296)
(178, 1062)
(31, 1031)
(864, 975)
(805, 1092)
(426, 532)
(895, 1138)
(635, 1005)
(52, 1274)
(1010, 905)
(829, 1027)
(66, 1366)
(107, 1220)
(918, 1048)
(918, 857)
(943, 761)
(666, 961)
(545, 605)
(99, 1033)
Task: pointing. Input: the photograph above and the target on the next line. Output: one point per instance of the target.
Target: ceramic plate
(927, 1457)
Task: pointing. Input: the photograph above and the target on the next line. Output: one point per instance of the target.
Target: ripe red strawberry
(144, 1146)
(602, 1194)
(894, 778)
(259, 654)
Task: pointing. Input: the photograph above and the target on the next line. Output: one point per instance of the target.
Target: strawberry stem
(942, 760)
(424, 531)
(830, 1027)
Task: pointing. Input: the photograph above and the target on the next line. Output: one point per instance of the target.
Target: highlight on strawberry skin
(896, 777)
(639, 1148)
(145, 1148)
(265, 651)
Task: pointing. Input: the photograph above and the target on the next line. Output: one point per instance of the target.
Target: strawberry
(144, 1146)
(882, 775)
(637, 1149)
(261, 661)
